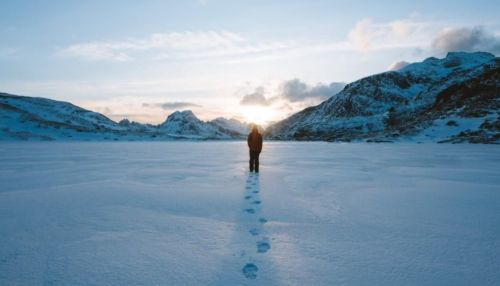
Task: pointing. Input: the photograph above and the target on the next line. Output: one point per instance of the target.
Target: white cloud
(295, 90)
(398, 65)
(362, 35)
(95, 52)
(255, 98)
(291, 93)
(368, 35)
(229, 47)
(430, 37)
(466, 40)
(403, 28)
(175, 105)
(180, 45)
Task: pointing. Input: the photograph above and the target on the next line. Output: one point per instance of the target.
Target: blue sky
(253, 60)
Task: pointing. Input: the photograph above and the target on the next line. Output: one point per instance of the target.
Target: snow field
(189, 213)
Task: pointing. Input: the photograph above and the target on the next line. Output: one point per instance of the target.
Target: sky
(254, 61)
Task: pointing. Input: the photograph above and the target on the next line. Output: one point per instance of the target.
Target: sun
(260, 115)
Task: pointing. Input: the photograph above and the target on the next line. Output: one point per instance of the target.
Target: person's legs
(256, 156)
(251, 161)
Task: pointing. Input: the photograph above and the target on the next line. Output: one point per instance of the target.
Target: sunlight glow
(260, 115)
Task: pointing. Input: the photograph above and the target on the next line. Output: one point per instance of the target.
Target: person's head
(255, 129)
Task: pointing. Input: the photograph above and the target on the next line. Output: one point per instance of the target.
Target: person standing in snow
(254, 141)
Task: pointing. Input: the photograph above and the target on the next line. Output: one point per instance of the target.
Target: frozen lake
(189, 213)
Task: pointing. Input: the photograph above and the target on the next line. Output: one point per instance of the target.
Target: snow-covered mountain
(137, 126)
(232, 127)
(33, 118)
(454, 99)
(186, 124)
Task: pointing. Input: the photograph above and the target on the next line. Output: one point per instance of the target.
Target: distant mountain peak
(124, 122)
(183, 113)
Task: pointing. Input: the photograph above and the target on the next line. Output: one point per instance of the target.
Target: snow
(446, 127)
(442, 67)
(189, 213)
(57, 111)
(41, 119)
(356, 113)
(185, 124)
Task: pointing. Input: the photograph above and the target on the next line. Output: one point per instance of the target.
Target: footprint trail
(253, 206)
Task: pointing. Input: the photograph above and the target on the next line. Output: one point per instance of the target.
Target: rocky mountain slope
(454, 99)
(187, 125)
(32, 118)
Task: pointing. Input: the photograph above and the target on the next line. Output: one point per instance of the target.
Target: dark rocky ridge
(401, 105)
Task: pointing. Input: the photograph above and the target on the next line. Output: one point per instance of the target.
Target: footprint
(248, 197)
(255, 192)
(253, 231)
(248, 187)
(256, 202)
(263, 246)
(262, 220)
(250, 211)
(250, 270)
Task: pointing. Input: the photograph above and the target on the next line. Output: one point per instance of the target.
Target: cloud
(362, 35)
(172, 45)
(255, 98)
(368, 35)
(294, 90)
(402, 28)
(171, 105)
(398, 65)
(95, 52)
(466, 40)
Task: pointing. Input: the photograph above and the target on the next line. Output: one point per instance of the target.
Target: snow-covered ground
(189, 213)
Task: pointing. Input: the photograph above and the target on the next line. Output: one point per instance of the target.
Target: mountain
(454, 99)
(232, 127)
(136, 126)
(185, 124)
(34, 118)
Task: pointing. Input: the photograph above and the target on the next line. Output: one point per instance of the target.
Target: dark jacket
(254, 141)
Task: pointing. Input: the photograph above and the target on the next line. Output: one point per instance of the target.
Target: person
(254, 141)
